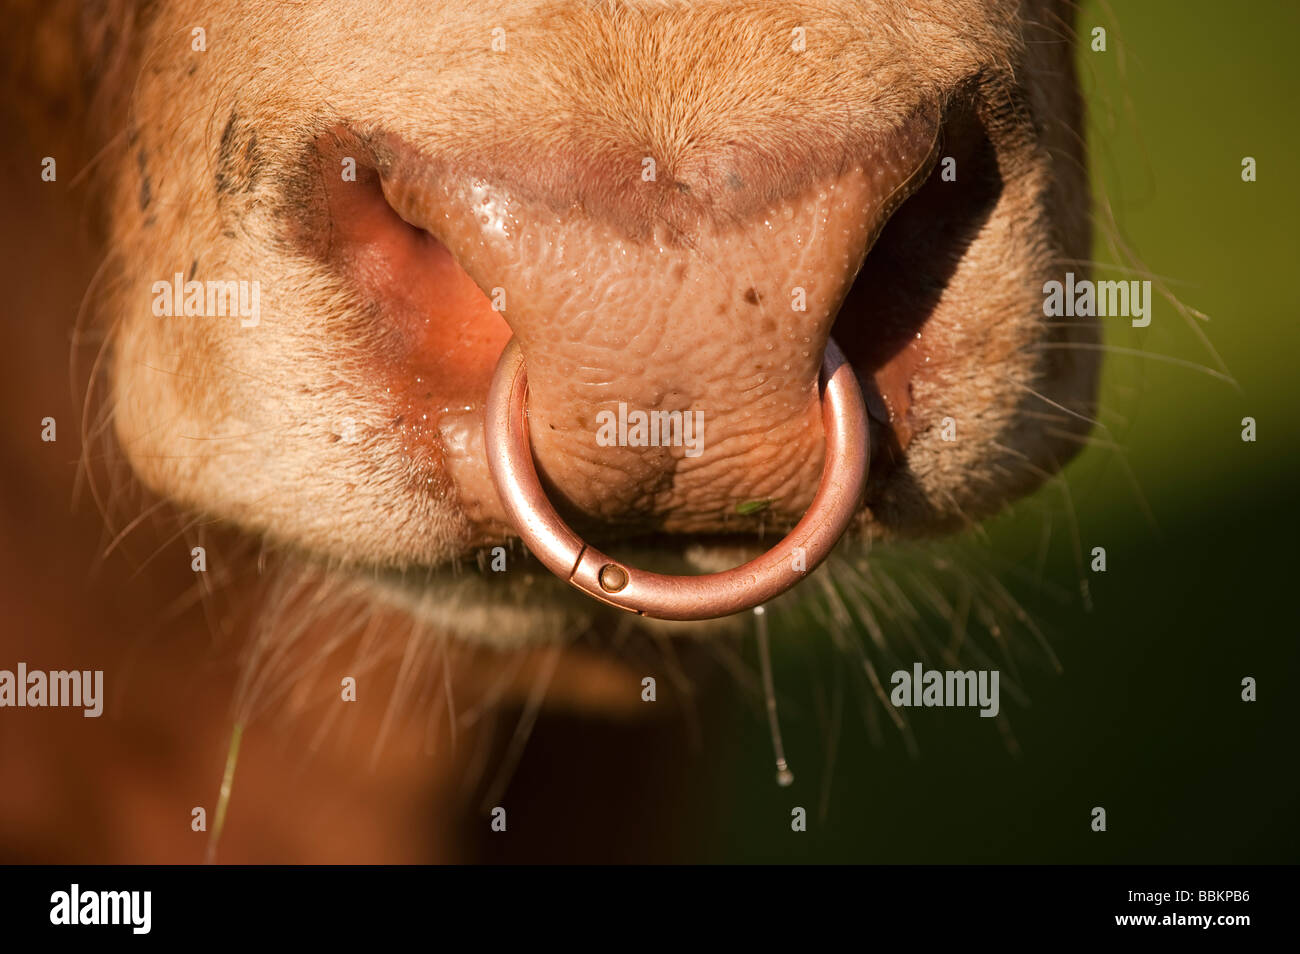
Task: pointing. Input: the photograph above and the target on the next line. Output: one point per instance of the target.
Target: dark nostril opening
(921, 245)
(908, 269)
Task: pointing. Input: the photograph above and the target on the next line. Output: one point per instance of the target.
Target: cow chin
(523, 604)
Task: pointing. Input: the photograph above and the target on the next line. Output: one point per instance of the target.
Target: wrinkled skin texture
(344, 428)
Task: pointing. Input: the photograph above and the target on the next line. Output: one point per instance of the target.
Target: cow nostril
(426, 337)
(881, 325)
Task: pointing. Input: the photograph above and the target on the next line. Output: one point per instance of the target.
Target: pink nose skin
(709, 298)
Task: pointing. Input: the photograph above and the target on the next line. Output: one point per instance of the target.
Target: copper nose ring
(569, 557)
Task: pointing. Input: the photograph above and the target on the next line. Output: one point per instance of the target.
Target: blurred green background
(1145, 716)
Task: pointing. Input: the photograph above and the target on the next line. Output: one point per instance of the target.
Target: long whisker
(1138, 353)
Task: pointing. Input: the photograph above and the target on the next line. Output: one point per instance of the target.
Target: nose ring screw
(568, 556)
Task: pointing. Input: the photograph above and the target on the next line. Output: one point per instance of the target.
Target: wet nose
(672, 316)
